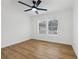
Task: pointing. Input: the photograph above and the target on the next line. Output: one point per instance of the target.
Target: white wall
(16, 26)
(75, 28)
(65, 22)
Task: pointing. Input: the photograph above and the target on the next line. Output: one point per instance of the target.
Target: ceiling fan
(34, 7)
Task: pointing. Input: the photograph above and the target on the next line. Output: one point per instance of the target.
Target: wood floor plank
(37, 49)
(13, 55)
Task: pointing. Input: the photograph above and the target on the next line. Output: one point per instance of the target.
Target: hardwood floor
(37, 49)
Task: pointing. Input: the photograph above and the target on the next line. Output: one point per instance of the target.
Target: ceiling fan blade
(41, 9)
(34, 2)
(24, 4)
(38, 2)
(27, 10)
(36, 12)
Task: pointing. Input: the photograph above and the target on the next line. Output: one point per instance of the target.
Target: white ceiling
(50, 5)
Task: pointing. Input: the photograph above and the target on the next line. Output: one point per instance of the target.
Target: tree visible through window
(48, 27)
(52, 26)
(42, 27)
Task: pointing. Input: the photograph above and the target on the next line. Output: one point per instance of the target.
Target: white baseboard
(21, 40)
(50, 40)
(75, 50)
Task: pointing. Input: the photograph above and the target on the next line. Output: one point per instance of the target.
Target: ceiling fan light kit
(35, 7)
